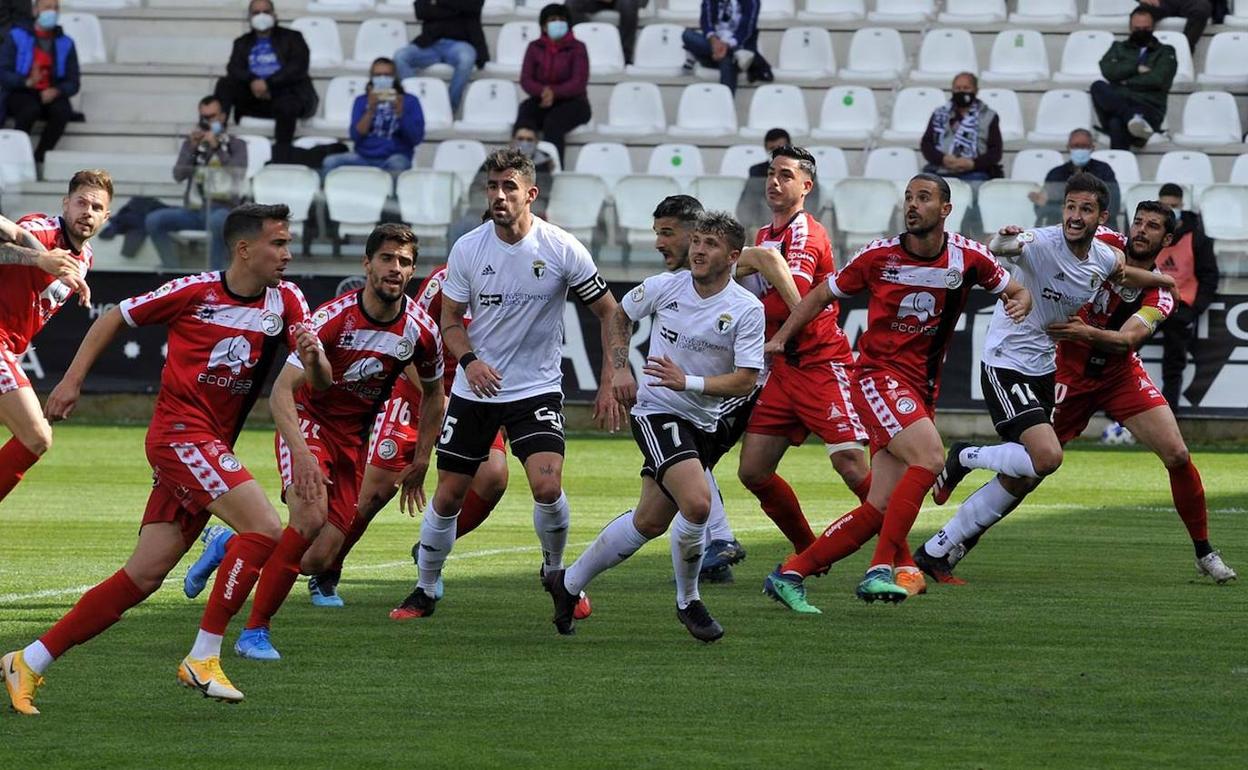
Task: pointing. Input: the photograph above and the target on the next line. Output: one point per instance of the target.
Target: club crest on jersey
(229, 463)
(1129, 293)
(233, 353)
(432, 289)
(638, 294)
(387, 449)
(364, 369)
(403, 349)
(271, 324)
(1094, 282)
(723, 323)
(920, 305)
(953, 279)
(321, 317)
(906, 405)
(539, 268)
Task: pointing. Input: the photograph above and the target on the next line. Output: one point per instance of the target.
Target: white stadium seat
(902, 11)
(552, 152)
(805, 54)
(912, 111)
(776, 105)
(323, 39)
(377, 38)
(610, 161)
(87, 35)
(498, 8)
(340, 6)
(679, 10)
(427, 201)
(679, 161)
(962, 197)
(831, 166)
(776, 10)
(1132, 194)
(1018, 56)
(972, 12)
(435, 101)
(1210, 117)
(1107, 13)
(718, 193)
(1224, 211)
(658, 52)
(259, 152)
(875, 54)
(355, 197)
(490, 107)
(706, 111)
(294, 186)
(513, 40)
(17, 158)
(1124, 163)
(1004, 202)
(1045, 12)
(339, 98)
(166, 50)
(1226, 61)
(1185, 73)
(102, 5)
(833, 11)
(1061, 111)
(1238, 17)
(634, 109)
(606, 55)
(864, 209)
(1081, 56)
(849, 113)
(739, 157)
(1009, 112)
(1035, 165)
(576, 203)
(635, 197)
(1185, 167)
(396, 7)
(943, 54)
(1239, 171)
(462, 157)
(312, 142)
(896, 163)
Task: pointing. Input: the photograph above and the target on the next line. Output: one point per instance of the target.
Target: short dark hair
(511, 159)
(1082, 131)
(974, 79)
(390, 231)
(552, 11)
(684, 208)
(777, 133)
(97, 178)
(247, 220)
(1170, 189)
(1157, 207)
(211, 99)
(805, 161)
(1087, 183)
(1142, 9)
(724, 225)
(946, 194)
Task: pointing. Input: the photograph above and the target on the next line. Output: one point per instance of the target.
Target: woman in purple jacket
(555, 75)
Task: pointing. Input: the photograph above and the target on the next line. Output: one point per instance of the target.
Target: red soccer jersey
(366, 356)
(220, 349)
(430, 298)
(30, 297)
(804, 243)
(915, 304)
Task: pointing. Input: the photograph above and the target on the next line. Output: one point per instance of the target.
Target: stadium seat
(1132, 194)
(776, 10)
(962, 197)
(1061, 111)
(576, 203)
(739, 157)
(1124, 163)
(312, 142)
(166, 50)
(876, 54)
(292, 185)
(340, 6)
(658, 52)
(635, 196)
(1009, 112)
(606, 55)
(1239, 171)
(902, 11)
(427, 201)
(1185, 73)
(552, 152)
(259, 152)
(1107, 13)
(776, 105)
(324, 41)
(1238, 16)
(864, 209)
(1210, 117)
(1081, 57)
(1226, 61)
(959, 12)
(634, 109)
(1035, 165)
(680, 10)
(336, 107)
(833, 11)
(831, 166)
(912, 111)
(1185, 167)
(896, 163)
(376, 38)
(88, 37)
(1224, 210)
(435, 101)
(718, 193)
(1045, 12)
(101, 5)
(513, 40)
(355, 197)
(682, 162)
(1004, 202)
(462, 157)
(396, 7)
(490, 107)
(706, 111)
(498, 8)
(1018, 56)
(848, 114)
(805, 54)
(943, 54)
(17, 158)
(610, 161)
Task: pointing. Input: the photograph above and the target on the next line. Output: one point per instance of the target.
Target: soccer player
(225, 329)
(703, 322)
(918, 283)
(513, 274)
(1063, 266)
(807, 388)
(1098, 369)
(43, 260)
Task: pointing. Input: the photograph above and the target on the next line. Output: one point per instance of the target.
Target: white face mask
(263, 22)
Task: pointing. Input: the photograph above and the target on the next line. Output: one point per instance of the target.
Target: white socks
(206, 645)
(437, 538)
(1011, 459)
(717, 527)
(686, 558)
(550, 521)
(37, 657)
(977, 513)
(616, 542)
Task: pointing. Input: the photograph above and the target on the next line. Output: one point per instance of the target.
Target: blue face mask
(556, 28)
(383, 83)
(47, 19)
(1080, 156)
(216, 127)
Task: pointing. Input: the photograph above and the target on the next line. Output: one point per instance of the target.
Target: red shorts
(393, 443)
(887, 406)
(340, 459)
(1122, 392)
(798, 401)
(11, 375)
(186, 478)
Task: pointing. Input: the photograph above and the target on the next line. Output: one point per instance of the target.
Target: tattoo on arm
(621, 331)
(12, 254)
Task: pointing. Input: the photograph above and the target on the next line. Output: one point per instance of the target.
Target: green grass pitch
(1084, 639)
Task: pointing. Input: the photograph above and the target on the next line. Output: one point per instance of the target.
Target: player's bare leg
(32, 436)
(760, 457)
(850, 463)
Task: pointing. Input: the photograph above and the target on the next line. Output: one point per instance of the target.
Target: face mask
(216, 127)
(526, 147)
(263, 22)
(47, 19)
(1141, 37)
(1080, 156)
(383, 83)
(964, 98)
(556, 29)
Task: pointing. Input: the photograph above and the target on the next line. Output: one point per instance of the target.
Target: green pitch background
(1083, 640)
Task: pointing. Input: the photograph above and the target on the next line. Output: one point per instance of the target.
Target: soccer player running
(512, 274)
(1098, 369)
(225, 329)
(1063, 266)
(918, 283)
(703, 323)
(43, 260)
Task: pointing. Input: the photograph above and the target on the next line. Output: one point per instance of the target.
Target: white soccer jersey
(515, 294)
(1060, 284)
(705, 337)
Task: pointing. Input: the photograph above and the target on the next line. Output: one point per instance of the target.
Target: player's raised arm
(432, 410)
(64, 397)
(1139, 278)
(311, 353)
(774, 268)
(482, 378)
(1008, 242)
(308, 481)
(608, 412)
(811, 305)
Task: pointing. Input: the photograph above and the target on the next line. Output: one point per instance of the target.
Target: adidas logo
(489, 270)
(673, 305)
(1059, 277)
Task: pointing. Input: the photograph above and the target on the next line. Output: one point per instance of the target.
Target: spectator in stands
(450, 33)
(582, 10)
(1048, 199)
(1197, 13)
(267, 76)
(386, 124)
(213, 164)
(524, 139)
(963, 138)
(726, 40)
(555, 75)
(1131, 101)
(752, 209)
(1189, 259)
(38, 74)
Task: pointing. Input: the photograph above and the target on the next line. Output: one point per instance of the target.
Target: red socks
(862, 489)
(842, 537)
(15, 460)
(474, 511)
(239, 570)
(279, 574)
(1189, 500)
(98, 609)
(781, 506)
(903, 509)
